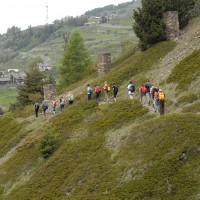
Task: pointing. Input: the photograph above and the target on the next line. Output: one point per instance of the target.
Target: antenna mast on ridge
(46, 20)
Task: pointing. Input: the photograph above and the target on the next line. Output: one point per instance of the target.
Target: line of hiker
(55, 104)
(106, 90)
(149, 94)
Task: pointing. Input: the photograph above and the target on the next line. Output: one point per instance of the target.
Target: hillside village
(113, 150)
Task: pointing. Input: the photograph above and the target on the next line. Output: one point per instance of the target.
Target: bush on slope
(186, 71)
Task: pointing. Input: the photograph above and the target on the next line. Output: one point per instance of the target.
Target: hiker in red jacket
(97, 91)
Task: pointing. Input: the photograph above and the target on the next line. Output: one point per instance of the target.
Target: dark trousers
(89, 97)
(36, 112)
(97, 96)
(70, 103)
(61, 108)
(161, 107)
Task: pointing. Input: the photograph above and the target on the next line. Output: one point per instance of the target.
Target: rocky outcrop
(171, 22)
(104, 63)
(49, 92)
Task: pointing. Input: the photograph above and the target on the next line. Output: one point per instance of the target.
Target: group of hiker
(97, 91)
(153, 95)
(149, 94)
(54, 104)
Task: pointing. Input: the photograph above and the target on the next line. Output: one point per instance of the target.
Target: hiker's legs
(106, 96)
(70, 103)
(156, 105)
(97, 96)
(54, 110)
(161, 107)
(115, 97)
(89, 97)
(143, 98)
(131, 96)
(36, 112)
(61, 108)
(148, 97)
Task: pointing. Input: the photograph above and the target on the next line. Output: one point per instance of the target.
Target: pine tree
(148, 25)
(75, 60)
(32, 89)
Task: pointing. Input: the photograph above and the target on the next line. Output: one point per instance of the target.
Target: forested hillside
(19, 47)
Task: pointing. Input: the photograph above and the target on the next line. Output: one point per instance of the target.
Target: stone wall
(171, 22)
(49, 92)
(104, 63)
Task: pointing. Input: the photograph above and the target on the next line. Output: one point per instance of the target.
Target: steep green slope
(110, 151)
(10, 133)
(91, 164)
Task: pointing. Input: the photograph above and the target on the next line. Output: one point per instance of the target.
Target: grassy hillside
(110, 151)
(7, 96)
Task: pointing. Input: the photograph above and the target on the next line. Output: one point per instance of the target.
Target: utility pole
(46, 20)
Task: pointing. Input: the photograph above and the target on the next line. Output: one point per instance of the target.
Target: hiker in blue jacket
(89, 92)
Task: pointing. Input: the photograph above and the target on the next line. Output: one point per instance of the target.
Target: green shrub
(190, 97)
(192, 108)
(48, 144)
(186, 71)
(10, 133)
(1, 111)
(21, 111)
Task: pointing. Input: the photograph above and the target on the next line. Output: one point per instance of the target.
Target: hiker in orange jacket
(106, 88)
(143, 92)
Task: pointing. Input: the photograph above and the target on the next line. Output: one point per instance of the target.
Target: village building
(5, 80)
(1, 74)
(16, 77)
(44, 67)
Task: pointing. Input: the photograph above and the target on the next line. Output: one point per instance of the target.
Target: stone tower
(171, 22)
(49, 92)
(104, 63)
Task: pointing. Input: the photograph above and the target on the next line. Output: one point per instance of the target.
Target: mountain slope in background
(17, 47)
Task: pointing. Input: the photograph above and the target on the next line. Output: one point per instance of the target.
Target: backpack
(116, 89)
(71, 97)
(37, 105)
(161, 96)
(54, 103)
(90, 90)
(98, 90)
(132, 88)
(108, 88)
(45, 106)
(143, 89)
(148, 86)
(62, 101)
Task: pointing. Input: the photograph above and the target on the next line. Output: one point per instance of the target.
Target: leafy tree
(148, 24)
(75, 60)
(32, 89)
